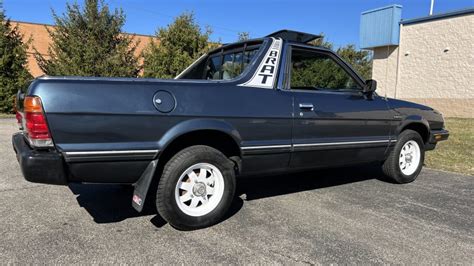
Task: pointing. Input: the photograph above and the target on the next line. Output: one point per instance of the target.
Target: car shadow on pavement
(269, 186)
(112, 203)
(107, 203)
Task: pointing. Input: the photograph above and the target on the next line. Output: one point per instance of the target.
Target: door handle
(307, 106)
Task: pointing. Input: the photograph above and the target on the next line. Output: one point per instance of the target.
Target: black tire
(391, 166)
(166, 202)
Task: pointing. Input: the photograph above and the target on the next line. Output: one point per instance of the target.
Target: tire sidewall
(404, 138)
(171, 174)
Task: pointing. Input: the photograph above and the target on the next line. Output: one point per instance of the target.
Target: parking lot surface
(346, 215)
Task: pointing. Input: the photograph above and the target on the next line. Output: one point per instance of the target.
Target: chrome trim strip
(266, 147)
(131, 152)
(316, 144)
(341, 143)
(73, 153)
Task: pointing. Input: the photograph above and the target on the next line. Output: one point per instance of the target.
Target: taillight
(35, 123)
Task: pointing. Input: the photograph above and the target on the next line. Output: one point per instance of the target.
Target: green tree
(89, 42)
(330, 73)
(321, 42)
(13, 64)
(360, 60)
(178, 45)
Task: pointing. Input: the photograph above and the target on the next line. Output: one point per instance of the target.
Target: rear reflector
(35, 123)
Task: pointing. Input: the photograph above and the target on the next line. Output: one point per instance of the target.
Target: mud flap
(142, 186)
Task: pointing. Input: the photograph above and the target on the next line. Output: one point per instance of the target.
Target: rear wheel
(196, 188)
(406, 159)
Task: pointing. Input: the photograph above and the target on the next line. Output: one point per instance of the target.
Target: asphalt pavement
(342, 216)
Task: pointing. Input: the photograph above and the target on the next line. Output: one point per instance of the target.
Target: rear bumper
(435, 137)
(39, 166)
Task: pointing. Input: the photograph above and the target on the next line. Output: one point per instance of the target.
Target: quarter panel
(96, 115)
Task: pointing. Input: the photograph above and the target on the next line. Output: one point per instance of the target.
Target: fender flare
(412, 119)
(194, 125)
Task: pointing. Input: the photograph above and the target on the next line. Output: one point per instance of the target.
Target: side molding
(114, 155)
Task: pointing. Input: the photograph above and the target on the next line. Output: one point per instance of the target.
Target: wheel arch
(418, 124)
(214, 133)
(211, 132)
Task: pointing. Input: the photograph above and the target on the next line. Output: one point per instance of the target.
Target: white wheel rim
(409, 158)
(199, 189)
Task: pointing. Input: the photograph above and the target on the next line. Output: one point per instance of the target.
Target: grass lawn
(457, 153)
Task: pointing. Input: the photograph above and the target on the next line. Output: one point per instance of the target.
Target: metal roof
(460, 12)
(381, 8)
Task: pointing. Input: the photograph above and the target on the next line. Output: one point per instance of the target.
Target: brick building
(40, 40)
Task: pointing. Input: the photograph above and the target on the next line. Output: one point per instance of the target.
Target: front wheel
(406, 159)
(196, 188)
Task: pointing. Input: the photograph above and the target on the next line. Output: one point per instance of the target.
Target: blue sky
(338, 19)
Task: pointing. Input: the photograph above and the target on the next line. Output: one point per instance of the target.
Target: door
(334, 122)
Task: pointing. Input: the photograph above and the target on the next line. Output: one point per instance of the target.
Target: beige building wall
(39, 39)
(433, 65)
(384, 69)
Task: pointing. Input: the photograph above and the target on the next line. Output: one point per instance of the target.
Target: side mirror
(370, 86)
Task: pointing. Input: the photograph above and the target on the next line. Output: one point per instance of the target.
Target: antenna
(431, 7)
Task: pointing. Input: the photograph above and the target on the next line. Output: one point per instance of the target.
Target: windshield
(223, 64)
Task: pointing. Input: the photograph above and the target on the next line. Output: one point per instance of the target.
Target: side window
(214, 67)
(225, 63)
(248, 56)
(311, 70)
(229, 65)
(232, 66)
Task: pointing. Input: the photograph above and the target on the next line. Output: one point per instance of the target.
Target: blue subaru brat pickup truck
(268, 105)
